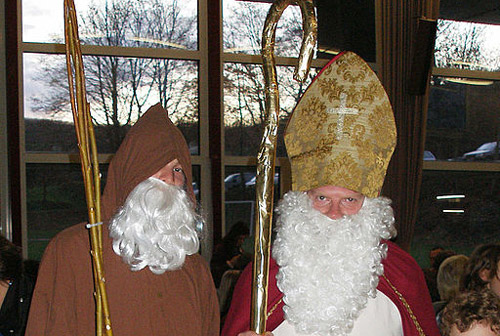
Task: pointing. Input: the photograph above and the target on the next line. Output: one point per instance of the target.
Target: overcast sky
(43, 22)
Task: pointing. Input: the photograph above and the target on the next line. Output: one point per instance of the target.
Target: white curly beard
(156, 227)
(329, 268)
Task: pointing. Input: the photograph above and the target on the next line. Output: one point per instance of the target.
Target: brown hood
(149, 145)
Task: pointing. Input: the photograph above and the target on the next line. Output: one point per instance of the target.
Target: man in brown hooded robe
(157, 283)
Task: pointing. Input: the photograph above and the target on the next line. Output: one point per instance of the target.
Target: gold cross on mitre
(342, 111)
(346, 95)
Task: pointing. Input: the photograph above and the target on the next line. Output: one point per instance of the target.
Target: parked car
(486, 151)
(428, 156)
(235, 180)
(196, 189)
(251, 183)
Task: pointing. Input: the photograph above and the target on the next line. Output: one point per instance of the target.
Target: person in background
(156, 281)
(430, 273)
(16, 288)
(472, 313)
(436, 257)
(483, 269)
(448, 281)
(228, 254)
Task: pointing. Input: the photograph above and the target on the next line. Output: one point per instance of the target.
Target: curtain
(401, 58)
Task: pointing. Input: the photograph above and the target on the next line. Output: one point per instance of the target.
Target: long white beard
(328, 268)
(156, 227)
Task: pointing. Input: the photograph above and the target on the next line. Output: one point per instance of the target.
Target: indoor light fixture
(440, 197)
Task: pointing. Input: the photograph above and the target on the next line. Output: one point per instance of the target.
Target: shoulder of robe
(71, 239)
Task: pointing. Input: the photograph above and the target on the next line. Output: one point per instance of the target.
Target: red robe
(399, 267)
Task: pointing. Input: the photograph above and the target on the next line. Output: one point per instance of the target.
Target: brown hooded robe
(182, 302)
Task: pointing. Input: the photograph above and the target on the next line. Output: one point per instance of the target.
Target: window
(135, 55)
(459, 200)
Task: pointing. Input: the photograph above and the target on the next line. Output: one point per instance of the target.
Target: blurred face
(494, 283)
(336, 202)
(434, 253)
(172, 174)
(477, 329)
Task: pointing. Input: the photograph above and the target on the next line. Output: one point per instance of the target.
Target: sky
(43, 21)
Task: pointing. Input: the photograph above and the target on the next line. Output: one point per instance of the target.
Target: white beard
(329, 268)
(156, 227)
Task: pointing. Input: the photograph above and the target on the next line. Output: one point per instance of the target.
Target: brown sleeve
(210, 306)
(52, 311)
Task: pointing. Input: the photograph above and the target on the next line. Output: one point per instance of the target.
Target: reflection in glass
(119, 90)
(196, 171)
(244, 22)
(55, 200)
(462, 120)
(457, 210)
(126, 23)
(244, 106)
(239, 186)
(467, 45)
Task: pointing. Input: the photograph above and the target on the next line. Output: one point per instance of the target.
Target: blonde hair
(449, 274)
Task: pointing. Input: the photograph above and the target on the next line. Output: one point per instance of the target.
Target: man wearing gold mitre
(333, 269)
(156, 282)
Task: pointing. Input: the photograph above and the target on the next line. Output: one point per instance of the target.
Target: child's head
(483, 269)
(473, 313)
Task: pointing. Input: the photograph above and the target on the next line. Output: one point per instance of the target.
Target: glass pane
(457, 211)
(244, 23)
(196, 171)
(119, 90)
(55, 200)
(126, 23)
(239, 186)
(244, 105)
(467, 45)
(462, 121)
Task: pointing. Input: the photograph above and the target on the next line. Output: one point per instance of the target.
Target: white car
(486, 151)
(251, 183)
(234, 180)
(428, 156)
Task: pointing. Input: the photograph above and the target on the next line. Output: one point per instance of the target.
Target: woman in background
(483, 269)
(16, 288)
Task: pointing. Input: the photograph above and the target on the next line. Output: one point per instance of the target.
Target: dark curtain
(402, 59)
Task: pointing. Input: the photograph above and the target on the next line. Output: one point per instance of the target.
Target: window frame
(210, 81)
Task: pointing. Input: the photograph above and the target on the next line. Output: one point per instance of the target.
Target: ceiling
(350, 25)
(479, 11)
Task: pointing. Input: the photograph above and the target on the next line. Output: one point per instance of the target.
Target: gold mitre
(342, 131)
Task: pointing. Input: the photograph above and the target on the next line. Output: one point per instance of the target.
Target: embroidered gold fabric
(407, 307)
(273, 308)
(342, 132)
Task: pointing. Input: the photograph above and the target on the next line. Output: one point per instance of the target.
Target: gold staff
(88, 158)
(267, 152)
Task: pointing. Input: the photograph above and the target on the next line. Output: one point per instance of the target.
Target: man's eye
(322, 198)
(178, 170)
(351, 200)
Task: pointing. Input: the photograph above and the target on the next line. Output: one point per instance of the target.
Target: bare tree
(458, 45)
(120, 88)
(244, 107)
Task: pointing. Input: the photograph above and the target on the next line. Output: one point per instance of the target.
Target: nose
(333, 211)
(165, 176)
(168, 178)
